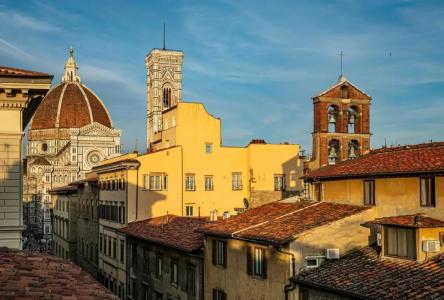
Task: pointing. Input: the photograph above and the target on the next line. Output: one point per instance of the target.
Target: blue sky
(255, 64)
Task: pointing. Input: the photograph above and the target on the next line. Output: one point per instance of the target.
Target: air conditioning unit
(431, 246)
(332, 253)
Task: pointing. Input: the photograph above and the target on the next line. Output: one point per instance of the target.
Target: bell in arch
(352, 154)
(352, 118)
(332, 153)
(332, 118)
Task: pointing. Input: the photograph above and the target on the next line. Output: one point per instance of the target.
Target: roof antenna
(136, 146)
(164, 43)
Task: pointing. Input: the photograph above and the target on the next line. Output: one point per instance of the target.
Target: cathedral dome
(70, 104)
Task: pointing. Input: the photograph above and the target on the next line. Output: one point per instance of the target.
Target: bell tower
(341, 125)
(164, 88)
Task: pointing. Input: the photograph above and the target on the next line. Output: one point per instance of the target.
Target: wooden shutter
(214, 294)
(225, 253)
(214, 252)
(249, 260)
(264, 264)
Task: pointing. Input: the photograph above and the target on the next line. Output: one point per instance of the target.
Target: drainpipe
(291, 285)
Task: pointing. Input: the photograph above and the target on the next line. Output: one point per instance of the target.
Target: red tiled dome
(70, 105)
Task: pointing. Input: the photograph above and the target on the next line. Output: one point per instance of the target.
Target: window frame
(190, 182)
(372, 200)
(208, 148)
(282, 186)
(209, 187)
(412, 239)
(257, 267)
(219, 253)
(174, 272)
(430, 200)
(236, 185)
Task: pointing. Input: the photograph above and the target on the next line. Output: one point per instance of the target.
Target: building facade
(87, 224)
(165, 258)
(21, 92)
(395, 181)
(255, 255)
(66, 205)
(341, 124)
(70, 133)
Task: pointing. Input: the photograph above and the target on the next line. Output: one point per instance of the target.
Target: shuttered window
(369, 192)
(400, 242)
(219, 253)
(256, 261)
(427, 191)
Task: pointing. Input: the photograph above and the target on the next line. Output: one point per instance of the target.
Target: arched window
(352, 114)
(344, 92)
(332, 118)
(166, 96)
(333, 152)
(353, 149)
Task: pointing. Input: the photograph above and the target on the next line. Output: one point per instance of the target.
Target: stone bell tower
(341, 125)
(164, 87)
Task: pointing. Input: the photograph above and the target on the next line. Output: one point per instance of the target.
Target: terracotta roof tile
(278, 223)
(422, 158)
(26, 275)
(364, 274)
(169, 230)
(416, 221)
(8, 71)
(70, 105)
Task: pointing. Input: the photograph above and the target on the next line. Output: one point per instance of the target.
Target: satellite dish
(246, 204)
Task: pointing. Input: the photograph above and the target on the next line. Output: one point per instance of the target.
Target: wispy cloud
(19, 19)
(13, 50)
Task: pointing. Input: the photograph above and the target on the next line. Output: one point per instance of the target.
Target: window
(369, 192)
(332, 115)
(114, 248)
(318, 191)
(174, 273)
(158, 296)
(353, 149)
(189, 211)
(190, 183)
(256, 262)
(427, 191)
(209, 183)
(220, 253)
(191, 279)
(208, 148)
(104, 245)
(400, 242)
(122, 251)
(279, 182)
(146, 260)
(133, 255)
(155, 183)
(100, 243)
(219, 294)
(236, 181)
(159, 266)
(145, 292)
(312, 262)
(344, 92)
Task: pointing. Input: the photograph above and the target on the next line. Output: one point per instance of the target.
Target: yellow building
(395, 181)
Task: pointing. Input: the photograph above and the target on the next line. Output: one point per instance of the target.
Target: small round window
(44, 147)
(93, 157)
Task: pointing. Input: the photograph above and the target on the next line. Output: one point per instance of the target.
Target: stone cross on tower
(71, 69)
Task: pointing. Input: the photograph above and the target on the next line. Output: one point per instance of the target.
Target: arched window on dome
(352, 114)
(333, 151)
(166, 96)
(332, 115)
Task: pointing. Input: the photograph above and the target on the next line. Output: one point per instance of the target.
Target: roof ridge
(265, 222)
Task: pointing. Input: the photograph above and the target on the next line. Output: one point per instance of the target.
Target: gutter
(291, 285)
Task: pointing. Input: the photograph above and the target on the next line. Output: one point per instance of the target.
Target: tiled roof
(416, 221)
(8, 71)
(25, 275)
(70, 105)
(411, 159)
(169, 230)
(63, 189)
(277, 222)
(366, 275)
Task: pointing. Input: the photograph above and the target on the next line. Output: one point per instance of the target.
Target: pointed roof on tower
(335, 90)
(71, 69)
